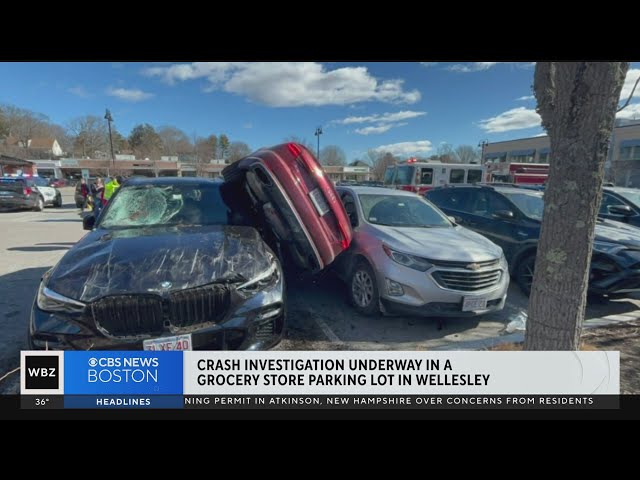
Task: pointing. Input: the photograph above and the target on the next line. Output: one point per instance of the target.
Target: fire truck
(521, 173)
(418, 177)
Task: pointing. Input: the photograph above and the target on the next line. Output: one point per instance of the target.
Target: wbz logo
(42, 372)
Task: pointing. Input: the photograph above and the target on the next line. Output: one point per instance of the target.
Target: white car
(51, 195)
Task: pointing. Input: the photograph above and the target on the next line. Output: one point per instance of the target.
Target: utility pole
(317, 134)
(109, 119)
(482, 144)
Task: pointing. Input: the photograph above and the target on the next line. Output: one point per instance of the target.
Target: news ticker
(312, 379)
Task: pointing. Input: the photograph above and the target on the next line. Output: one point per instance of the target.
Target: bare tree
(467, 154)
(237, 151)
(89, 134)
(174, 141)
(446, 154)
(379, 163)
(24, 125)
(577, 102)
(332, 155)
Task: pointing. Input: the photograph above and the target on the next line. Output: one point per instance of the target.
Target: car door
(486, 217)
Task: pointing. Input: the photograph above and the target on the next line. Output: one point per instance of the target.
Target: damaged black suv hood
(158, 260)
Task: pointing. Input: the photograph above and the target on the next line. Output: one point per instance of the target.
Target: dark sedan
(511, 217)
(169, 265)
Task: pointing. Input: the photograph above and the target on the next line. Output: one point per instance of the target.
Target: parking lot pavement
(319, 317)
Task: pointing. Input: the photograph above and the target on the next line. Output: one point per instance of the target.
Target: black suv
(511, 217)
(22, 192)
(621, 204)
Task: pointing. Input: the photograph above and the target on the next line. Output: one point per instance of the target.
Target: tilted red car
(288, 190)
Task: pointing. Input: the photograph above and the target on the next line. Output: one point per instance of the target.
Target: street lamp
(109, 119)
(482, 144)
(317, 134)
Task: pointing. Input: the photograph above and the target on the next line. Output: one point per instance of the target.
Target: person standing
(84, 191)
(97, 190)
(111, 187)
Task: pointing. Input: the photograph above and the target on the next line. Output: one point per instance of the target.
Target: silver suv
(409, 257)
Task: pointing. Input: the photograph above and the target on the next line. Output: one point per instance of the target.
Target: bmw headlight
(260, 281)
(50, 301)
(407, 260)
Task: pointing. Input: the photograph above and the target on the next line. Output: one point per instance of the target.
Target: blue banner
(125, 372)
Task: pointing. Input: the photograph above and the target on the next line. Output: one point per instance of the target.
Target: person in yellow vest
(111, 187)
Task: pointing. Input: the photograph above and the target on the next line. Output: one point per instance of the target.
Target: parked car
(171, 263)
(297, 207)
(77, 195)
(621, 204)
(57, 182)
(511, 217)
(28, 193)
(409, 257)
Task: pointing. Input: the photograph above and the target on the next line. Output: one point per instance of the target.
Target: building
(622, 166)
(39, 145)
(357, 171)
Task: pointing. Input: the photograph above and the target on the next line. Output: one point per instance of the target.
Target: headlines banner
(305, 379)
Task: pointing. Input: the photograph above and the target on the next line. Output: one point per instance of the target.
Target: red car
(287, 189)
(57, 182)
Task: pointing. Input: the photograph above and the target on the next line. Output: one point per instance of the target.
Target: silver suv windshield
(401, 211)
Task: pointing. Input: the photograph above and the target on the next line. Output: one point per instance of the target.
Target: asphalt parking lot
(319, 316)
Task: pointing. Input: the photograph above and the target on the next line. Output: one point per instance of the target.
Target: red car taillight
(26, 191)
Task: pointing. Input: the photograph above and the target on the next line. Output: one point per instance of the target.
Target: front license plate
(179, 342)
(474, 303)
(319, 201)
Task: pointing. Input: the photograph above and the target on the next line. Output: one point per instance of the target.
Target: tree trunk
(577, 102)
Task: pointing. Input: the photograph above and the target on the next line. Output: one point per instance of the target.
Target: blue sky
(406, 108)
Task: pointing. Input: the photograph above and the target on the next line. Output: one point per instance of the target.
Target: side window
(426, 176)
(479, 204)
(608, 200)
(498, 202)
(350, 207)
(474, 176)
(388, 175)
(454, 199)
(456, 175)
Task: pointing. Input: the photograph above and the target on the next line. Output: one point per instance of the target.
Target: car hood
(617, 232)
(158, 260)
(448, 244)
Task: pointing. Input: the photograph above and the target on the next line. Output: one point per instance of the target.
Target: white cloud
(290, 84)
(471, 67)
(79, 91)
(514, 119)
(129, 94)
(632, 76)
(247, 125)
(406, 148)
(526, 98)
(375, 130)
(428, 64)
(381, 117)
(543, 134)
(630, 112)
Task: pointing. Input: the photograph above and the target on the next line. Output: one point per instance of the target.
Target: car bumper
(16, 203)
(423, 296)
(258, 323)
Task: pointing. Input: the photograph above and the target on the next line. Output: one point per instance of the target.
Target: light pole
(317, 134)
(482, 144)
(109, 119)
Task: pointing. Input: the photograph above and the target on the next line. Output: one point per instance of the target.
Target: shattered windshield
(157, 205)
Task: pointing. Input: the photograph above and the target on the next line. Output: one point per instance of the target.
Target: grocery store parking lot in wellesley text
(319, 315)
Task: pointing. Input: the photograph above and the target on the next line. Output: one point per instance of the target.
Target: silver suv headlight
(50, 301)
(407, 260)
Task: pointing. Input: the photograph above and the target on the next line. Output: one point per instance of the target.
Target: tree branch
(630, 95)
